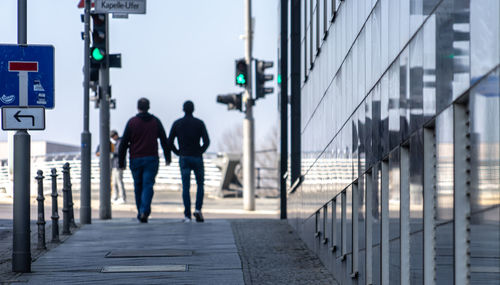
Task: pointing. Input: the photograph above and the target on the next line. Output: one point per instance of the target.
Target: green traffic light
(240, 79)
(97, 54)
(279, 78)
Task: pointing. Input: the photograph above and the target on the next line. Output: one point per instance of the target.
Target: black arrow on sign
(17, 116)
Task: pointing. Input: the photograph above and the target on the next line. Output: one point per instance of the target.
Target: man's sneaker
(186, 220)
(198, 216)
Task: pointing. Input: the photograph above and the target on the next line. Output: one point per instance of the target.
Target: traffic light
(241, 72)
(98, 54)
(233, 101)
(260, 78)
(94, 72)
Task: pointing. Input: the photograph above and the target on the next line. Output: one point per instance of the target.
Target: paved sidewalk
(246, 251)
(208, 254)
(232, 247)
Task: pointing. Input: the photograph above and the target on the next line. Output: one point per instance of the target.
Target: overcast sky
(179, 50)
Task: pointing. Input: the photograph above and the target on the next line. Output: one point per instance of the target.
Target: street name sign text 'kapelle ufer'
(121, 6)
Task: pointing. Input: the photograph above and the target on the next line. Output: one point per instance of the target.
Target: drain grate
(148, 253)
(145, 268)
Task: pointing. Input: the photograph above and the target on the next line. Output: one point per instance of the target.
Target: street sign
(27, 75)
(120, 6)
(19, 118)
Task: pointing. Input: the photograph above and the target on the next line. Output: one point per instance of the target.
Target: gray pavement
(233, 246)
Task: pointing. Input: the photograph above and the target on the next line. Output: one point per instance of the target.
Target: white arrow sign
(18, 118)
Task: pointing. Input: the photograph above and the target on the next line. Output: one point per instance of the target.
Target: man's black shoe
(198, 216)
(143, 218)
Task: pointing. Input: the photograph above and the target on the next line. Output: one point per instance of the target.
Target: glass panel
(338, 225)
(453, 56)
(362, 132)
(404, 23)
(307, 39)
(484, 37)
(394, 219)
(429, 77)
(368, 130)
(404, 95)
(348, 196)
(361, 226)
(444, 169)
(376, 125)
(393, 29)
(376, 217)
(444, 197)
(394, 137)
(376, 42)
(416, 81)
(312, 34)
(384, 114)
(485, 180)
(416, 208)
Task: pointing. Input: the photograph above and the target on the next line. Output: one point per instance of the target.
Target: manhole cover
(148, 253)
(144, 268)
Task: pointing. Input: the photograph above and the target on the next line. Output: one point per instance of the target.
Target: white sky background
(178, 50)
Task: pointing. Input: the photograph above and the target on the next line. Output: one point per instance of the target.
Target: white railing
(168, 176)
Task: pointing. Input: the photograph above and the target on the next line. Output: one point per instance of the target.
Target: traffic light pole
(248, 122)
(104, 143)
(85, 210)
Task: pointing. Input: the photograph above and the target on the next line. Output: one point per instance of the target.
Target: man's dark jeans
(195, 163)
(144, 170)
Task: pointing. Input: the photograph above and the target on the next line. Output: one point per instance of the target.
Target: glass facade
(375, 75)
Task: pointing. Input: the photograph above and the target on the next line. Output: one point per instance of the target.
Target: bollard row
(68, 212)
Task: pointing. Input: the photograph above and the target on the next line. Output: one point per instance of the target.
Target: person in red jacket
(141, 137)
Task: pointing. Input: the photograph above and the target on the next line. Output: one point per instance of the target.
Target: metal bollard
(41, 214)
(70, 198)
(65, 209)
(55, 215)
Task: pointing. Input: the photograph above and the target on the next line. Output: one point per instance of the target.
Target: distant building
(39, 148)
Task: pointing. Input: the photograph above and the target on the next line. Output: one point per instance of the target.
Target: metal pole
(65, 210)
(104, 158)
(55, 214)
(283, 107)
(41, 212)
(21, 253)
(70, 201)
(295, 90)
(85, 210)
(248, 122)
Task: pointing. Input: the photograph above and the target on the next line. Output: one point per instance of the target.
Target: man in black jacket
(141, 136)
(189, 130)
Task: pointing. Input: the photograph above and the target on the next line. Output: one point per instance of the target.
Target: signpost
(26, 89)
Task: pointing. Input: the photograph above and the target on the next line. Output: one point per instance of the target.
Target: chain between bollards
(55, 214)
(41, 214)
(65, 209)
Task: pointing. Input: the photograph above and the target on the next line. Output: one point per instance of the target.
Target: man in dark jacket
(141, 136)
(188, 131)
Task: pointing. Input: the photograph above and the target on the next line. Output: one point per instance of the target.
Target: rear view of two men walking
(141, 137)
